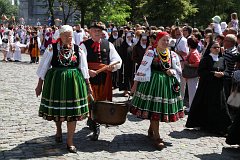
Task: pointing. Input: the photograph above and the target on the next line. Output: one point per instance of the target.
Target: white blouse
(113, 55)
(45, 63)
(144, 71)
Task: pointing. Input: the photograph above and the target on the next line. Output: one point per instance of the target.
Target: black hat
(96, 25)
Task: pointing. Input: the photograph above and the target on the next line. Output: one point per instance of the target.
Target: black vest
(103, 57)
(55, 62)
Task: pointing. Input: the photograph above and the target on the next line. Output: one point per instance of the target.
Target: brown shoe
(159, 144)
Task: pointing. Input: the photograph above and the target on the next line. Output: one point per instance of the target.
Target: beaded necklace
(65, 55)
(164, 56)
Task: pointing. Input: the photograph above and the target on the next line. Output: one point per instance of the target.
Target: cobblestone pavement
(24, 135)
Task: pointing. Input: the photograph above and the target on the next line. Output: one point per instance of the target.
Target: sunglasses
(216, 47)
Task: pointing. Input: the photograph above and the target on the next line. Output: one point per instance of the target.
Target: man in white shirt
(100, 53)
(78, 35)
(181, 48)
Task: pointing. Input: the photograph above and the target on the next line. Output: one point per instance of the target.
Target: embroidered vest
(55, 59)
(103, 57)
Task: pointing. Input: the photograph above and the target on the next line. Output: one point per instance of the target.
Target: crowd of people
(152, 65)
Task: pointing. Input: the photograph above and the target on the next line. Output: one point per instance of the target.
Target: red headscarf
(159, 36)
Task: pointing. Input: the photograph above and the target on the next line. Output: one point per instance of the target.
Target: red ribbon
(96, 47)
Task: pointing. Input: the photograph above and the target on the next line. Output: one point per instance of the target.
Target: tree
(137, 12)
(116, 11)
(7, 8)
(222, 8)
(50, 6)
(51, 10)
(82, 7)
(165, 12)
(68, 8)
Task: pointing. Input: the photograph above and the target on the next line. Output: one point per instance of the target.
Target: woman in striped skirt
(64, 72)
(156, 88)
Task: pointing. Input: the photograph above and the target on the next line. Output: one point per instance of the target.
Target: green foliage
(116, 12)
(210, 8)
(162, 12)
(158, 12)
(7, 8)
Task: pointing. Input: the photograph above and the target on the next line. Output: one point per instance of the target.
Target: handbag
(190, 72)
(234, 98)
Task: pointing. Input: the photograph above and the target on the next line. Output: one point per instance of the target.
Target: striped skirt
(157, 100)
(64, 96)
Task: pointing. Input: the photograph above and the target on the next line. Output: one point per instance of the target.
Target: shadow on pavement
(190, 134)
(228, 153)
(124, 142)
(44, 147)
(19, 62)
(133, 118)
(36, 148)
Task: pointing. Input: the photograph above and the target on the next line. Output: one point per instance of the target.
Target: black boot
(37, 60)
(96, 132)
(90, 124)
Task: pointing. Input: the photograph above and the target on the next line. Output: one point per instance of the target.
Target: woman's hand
(38, 90)
(89, 88)
(218, 74)
(169, 72)
(134, 88)
(92, 73)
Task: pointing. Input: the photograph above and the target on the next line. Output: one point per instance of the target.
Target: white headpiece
(129, 34)
(65, 28)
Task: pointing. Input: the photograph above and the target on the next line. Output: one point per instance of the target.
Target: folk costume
(100, 54)
(64, 96)
(158, 95)
(17, 51)
(34, 49)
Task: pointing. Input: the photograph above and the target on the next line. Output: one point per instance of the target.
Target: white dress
(17, 53)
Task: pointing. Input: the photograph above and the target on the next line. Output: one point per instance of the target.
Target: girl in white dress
(17, 50)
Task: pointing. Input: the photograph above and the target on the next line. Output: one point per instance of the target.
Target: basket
(111, 113)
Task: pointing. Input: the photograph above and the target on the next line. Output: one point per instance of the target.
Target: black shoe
(96, 132)
(72, 149)
(90, 124)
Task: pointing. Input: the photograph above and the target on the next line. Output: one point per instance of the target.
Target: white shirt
(181, 45)
(45, 63)
(17, 45)
(114, 56)
(217, 28)
(78, 37)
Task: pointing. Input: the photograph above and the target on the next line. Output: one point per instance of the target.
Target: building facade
(33, 11)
